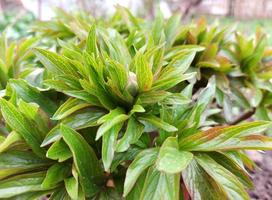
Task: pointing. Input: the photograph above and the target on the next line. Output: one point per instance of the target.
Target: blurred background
(16, 15)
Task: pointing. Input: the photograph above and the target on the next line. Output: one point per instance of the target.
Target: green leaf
(118, 74)
(229, 137)
(142, 161)
(170, 159)
(229, 182)
(59, 150)
(119, 158)
(157, 122)
(26, 128)
(239, 97)
(160, 185)
(31, 94)
(55, 63)
(15, 162)
(172, 28)
(3, 74)
(143, 73)
(25, 45)
(84, 118)
(55, 174)
(30, 110)
(85, 160)
(182, 61)
(200, 184)
(21, 184)
(59, 194)
(136, 109)
(133, 133)
(112, 120)
(32, 195)
(157, 28)
(138, 188)
(208, 93)
(69, 107)
(231, 162)
(176, 99)
(152, 97)
(169, 78)
(79, 120)
(33, 112)
(12, 138)
(108, 145)
(71, 185)
(91, 46)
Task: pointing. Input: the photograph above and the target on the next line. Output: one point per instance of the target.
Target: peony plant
(124, 108)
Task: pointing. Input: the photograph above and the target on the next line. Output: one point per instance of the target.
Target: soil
(262, 177)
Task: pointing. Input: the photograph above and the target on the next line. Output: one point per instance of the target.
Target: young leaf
(142, 161)
(160, 185)
(108, 145)
(169, 78)
(170, 159)
(16, 162)
(143, 73)
(233, 163)
(55, 174)
(55, 63)
(79, 120)
(71, 185)
(91, 46)
(225, 138)
(69, 107)
(85, 160)
(158, 123)
(106, 126)
(208, 93)
(235, 189)
(12, 138)
(26, 128)
(59, 150)
(21, 184)
(133, 133)
(200, 184)
(31, 94)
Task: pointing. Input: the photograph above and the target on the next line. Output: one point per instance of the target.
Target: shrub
(124, 108)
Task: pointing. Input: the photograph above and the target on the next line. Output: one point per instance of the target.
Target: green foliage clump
(124, 108)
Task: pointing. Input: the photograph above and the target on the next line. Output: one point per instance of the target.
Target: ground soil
(262, 178)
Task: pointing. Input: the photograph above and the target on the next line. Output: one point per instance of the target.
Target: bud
(132, 85)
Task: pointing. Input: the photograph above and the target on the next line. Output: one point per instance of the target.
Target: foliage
(16, 23)
(123, 108)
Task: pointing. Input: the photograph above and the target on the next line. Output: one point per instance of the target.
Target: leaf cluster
(124, 108)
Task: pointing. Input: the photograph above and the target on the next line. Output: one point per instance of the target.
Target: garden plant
(126, 108)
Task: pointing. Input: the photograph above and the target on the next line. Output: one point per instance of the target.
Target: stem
(243, 117)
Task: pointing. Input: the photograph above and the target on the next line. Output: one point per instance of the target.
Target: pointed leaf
(143, 73)
(133, 133)
(21, 184)
(142, 161)
(170, 159)
(200, 184)
(59, 150)
(235, 190)
(69, 107)
(158, 123)
(31, 94)
(85, 160)
(19, 123)
(108, 145)
(160, 185)
(229, 137)
(55, 174)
